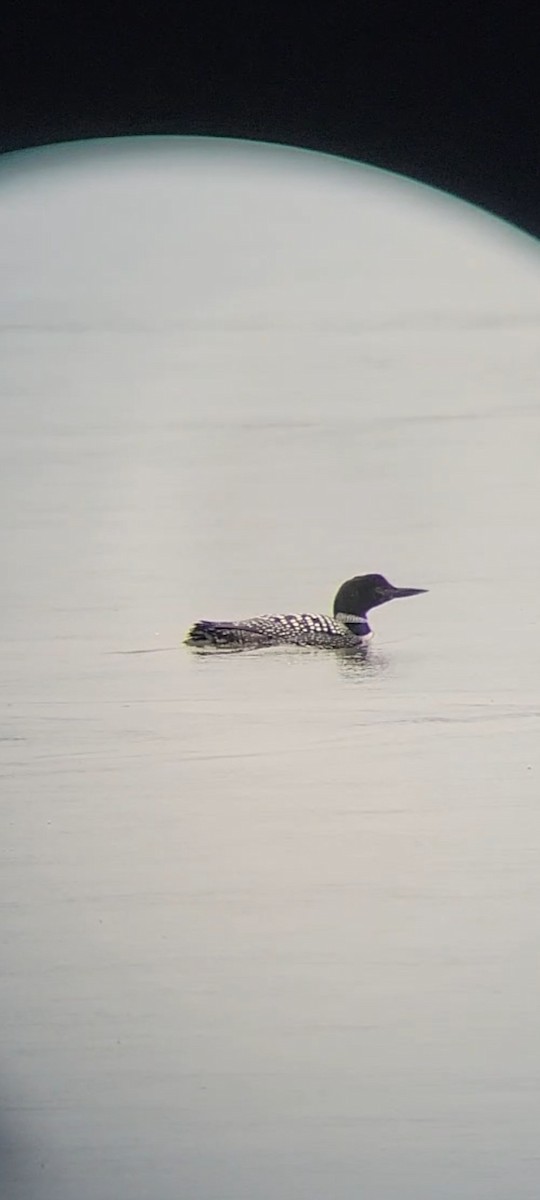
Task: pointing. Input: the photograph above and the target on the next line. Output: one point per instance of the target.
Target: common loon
(348, 627)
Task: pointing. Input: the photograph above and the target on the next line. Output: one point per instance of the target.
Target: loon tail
(215, 633)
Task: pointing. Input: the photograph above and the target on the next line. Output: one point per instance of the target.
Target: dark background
(449, 99)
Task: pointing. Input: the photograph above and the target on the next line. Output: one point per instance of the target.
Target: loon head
(357, 596)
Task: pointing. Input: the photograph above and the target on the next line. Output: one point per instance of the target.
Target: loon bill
(348, 627)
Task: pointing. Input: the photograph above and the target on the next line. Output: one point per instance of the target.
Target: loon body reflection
(348, 627)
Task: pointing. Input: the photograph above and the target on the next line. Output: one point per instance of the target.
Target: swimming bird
(349, 626)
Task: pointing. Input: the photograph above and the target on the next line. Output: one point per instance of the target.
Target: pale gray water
(271, 921)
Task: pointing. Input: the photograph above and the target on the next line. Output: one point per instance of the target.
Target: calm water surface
(270, 920)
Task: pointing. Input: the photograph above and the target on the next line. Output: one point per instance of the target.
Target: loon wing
(300, 629)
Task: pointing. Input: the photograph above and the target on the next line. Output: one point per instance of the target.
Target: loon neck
(359, 623)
